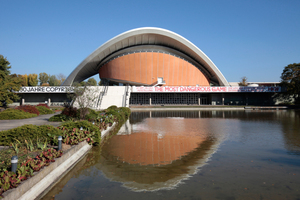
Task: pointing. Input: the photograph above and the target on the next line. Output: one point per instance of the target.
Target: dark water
(193, 155)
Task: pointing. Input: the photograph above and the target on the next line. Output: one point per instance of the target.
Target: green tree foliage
(82, 83)
(290, 79)
(21, 78)
(92, 82)
(43, 78)
(24, 80)
(33, 80)
(53, 81)
(8, 83)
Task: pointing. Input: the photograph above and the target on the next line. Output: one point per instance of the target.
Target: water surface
(192, 155)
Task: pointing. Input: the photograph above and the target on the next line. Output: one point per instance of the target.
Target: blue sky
(252, 38)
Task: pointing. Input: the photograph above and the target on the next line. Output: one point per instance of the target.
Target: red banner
(168, 89)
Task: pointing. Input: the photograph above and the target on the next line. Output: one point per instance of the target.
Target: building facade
(157, 67)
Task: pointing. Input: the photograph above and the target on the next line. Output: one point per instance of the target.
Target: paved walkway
(39, 120)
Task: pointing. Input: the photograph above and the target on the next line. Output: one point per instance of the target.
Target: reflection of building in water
(159, 153)
(156, 146)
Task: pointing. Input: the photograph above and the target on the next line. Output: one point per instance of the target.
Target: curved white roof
(144, 36)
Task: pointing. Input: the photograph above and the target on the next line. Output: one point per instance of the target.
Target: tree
(43, 78)
(8, 83)
(53, 81)
(243, 81)
(92, 82)
(82, 83)
(20, 78)
(290, 79)
(33, 80)
(24, 80)
(82, 97)
(61, 78)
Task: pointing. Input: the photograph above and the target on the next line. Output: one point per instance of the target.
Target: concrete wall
(53, 99)
(101, 97)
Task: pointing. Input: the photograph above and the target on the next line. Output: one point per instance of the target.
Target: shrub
(26, 168)
(92, 115)
(75, 135)
(126, 111)
(59, 118)
(116, 113)
(86, 126)
(121, 113)
(43, 104)
(112, 108)
(44, 110)
(29, 131)
(70, 111)
(15, 114)
(29, 109)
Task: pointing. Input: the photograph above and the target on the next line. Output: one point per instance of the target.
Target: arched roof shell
(144, 36)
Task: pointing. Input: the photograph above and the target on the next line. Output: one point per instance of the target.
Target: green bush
(116, 113)
(43, 110)
(86, 126)
(112, 108)
(121, 113)
(126, 111)
(15, 114)
(59, 118)
(92, 116)
(29, 131)
(70, 111)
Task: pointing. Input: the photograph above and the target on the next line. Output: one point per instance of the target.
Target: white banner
(205, 89)
(46, 89)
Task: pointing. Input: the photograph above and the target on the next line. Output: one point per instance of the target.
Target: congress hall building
(157, 66)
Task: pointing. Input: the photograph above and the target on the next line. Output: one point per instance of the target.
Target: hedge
(59, 118)
(15, 114)
(29, 131)
(86, 126)
(44, 110)
(29, 109)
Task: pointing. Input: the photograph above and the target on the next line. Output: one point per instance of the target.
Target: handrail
(100, 97)
(125, 96)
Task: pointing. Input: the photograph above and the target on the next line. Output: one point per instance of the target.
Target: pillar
(223, 99)
(49, 102)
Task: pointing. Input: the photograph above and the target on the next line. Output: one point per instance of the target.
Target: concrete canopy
(145, 36)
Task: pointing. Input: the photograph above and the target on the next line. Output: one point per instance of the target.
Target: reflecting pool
(192, 155)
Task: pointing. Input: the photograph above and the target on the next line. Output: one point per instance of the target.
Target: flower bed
(26, 169)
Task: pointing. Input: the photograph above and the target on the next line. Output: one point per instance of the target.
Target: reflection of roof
(164, 177)
(145, 36)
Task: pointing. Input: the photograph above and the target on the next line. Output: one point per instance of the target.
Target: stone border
(182, 108)
(105, 132)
